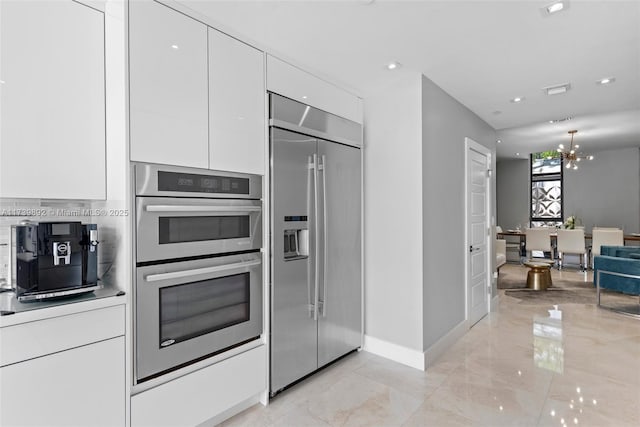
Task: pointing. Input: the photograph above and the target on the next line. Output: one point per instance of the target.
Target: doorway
(477, 234)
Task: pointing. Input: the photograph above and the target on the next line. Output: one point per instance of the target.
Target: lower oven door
(186, 311)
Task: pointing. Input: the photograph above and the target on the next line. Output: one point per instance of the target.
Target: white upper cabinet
(237, 105)
(52, 100)
(168, 86)
(294, 83)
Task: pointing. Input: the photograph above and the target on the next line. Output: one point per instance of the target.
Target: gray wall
(603, 192)
(445, 124)
(393, 213)
(606, 191)
(512, 188)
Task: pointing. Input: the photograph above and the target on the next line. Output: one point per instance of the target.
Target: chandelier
(570, 155)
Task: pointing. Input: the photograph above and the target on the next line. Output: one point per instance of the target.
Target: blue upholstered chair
(617, 268)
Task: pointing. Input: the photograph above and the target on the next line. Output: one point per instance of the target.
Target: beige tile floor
(498, 374)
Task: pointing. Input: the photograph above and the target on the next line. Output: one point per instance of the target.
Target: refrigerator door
(293, 240)
(340, 293)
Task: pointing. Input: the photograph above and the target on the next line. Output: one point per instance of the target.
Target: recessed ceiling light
(304, 96)
(606, 81)
(518, 99)
(393, 65)
(499, 141)
(517, 154)
(175, 46)
(555, 7)
(557, 89)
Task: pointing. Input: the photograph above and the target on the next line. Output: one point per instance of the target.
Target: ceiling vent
(565, 119)
(555, 7)
(557, 89)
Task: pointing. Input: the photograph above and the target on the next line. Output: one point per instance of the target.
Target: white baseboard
(432, 354)
(397, 353)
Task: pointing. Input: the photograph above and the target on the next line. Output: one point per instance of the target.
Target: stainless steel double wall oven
(198, 287)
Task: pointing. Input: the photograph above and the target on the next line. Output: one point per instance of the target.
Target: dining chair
(511, 246)
(538, 239)
(605, 236)
(501, 253)
(571, 242)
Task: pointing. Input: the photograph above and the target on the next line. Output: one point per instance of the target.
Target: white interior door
(477, 247)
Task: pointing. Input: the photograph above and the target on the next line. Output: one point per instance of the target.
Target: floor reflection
(548, 351)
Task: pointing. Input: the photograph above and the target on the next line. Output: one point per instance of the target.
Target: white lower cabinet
(201, 395)
(84, 386)
(64, 366)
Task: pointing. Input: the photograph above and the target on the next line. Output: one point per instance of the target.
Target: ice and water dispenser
(296, 244)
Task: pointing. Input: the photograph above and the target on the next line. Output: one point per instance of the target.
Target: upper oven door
(169, 228)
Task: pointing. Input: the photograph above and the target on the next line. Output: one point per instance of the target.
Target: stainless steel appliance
(54, 259)
(198, 281)
(316, 252)
(183, 212)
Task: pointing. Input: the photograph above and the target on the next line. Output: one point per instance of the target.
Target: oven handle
(198, 271)
(197, 208)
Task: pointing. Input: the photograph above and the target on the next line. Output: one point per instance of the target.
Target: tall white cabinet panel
(84, 386)
(52, 100)
(294, 83)
(237, 105)
(168, 86)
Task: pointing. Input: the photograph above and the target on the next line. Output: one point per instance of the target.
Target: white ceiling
(483, 53)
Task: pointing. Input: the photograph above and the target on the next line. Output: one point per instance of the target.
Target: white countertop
(15, 312)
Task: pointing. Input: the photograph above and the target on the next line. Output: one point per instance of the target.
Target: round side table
(539, 275)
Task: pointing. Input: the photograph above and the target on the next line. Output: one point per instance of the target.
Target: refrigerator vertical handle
(311, 167)
(317, 241)
(324, 232)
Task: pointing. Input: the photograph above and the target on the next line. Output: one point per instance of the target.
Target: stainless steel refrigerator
(316, 293)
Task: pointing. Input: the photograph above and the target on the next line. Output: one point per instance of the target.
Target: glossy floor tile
(581, 371)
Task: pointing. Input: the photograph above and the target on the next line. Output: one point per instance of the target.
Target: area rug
(569, 289)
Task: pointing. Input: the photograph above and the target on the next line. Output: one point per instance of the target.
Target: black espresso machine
(54, 259)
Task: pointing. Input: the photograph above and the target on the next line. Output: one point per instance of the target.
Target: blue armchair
(617, 268)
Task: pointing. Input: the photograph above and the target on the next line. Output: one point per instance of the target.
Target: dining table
(632, 237)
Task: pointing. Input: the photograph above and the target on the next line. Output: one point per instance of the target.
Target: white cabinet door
(168, 86)
(52, 100)
(237, 105)
(195, 398)
(294, 83)
(84, 386)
